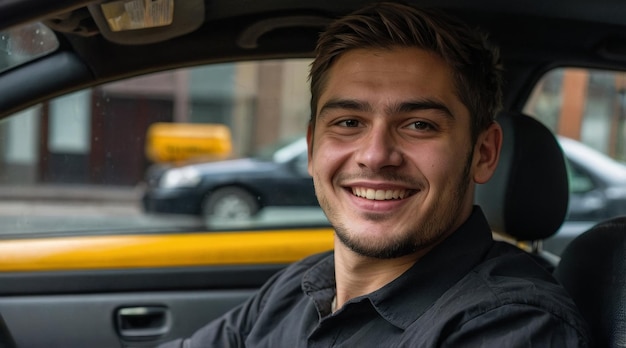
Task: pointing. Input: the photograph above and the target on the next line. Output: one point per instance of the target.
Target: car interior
(112, 287)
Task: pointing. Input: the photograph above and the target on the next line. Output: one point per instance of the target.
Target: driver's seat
(526, 199)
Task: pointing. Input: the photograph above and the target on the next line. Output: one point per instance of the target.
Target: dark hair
(475, 64)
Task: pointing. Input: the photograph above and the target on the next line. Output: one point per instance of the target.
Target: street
(84, 217)
(89, 216)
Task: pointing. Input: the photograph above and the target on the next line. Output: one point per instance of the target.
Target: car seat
(526, 199)
(593, 271)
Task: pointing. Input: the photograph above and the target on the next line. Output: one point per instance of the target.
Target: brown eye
(420, 125)
(349, 123)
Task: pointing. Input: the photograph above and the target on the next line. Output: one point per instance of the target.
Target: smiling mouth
(381, 195)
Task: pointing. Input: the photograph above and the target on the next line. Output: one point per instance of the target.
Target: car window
(175, 150)
(586, 109)
(579, 180)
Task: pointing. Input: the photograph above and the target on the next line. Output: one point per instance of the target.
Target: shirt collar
(406, 298)
(319, 283)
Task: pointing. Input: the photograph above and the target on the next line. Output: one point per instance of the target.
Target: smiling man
(393, 161)
(402, 128)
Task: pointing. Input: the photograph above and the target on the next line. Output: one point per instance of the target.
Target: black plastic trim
(49, 76)
(124, 280)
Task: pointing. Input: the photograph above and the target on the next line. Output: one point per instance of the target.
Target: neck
(358, 275)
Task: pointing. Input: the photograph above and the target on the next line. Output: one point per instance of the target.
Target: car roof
(534, 37)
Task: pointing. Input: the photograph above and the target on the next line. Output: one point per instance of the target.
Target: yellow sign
(176, 142)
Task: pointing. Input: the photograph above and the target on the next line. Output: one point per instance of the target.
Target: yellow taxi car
(85, 86)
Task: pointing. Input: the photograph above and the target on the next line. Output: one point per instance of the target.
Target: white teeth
(378, 195)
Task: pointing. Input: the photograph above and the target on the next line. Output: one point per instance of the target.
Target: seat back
(527, 197)
(593, 271)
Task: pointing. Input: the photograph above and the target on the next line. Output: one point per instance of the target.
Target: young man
(402, 128)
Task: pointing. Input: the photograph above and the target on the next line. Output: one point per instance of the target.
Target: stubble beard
(435, 226)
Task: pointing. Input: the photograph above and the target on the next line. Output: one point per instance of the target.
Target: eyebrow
(401, 107)
(345, 104)
(422, 104)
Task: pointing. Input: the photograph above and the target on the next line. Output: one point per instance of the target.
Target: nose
(379, 150)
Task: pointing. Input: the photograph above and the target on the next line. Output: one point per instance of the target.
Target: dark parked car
(233, 189)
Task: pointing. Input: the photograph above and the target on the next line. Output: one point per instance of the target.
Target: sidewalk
(77, 193)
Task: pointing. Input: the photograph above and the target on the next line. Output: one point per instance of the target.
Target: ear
(309, 144)
(487, 153)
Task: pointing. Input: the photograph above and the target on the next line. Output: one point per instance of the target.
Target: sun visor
(135, 22)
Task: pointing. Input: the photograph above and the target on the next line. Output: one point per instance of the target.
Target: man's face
(390, 154)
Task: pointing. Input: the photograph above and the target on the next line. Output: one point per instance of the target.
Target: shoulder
(512, 293)
(509, 276)
(290, 279)
(284, 290)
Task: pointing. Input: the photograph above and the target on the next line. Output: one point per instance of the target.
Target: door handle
(143, 322)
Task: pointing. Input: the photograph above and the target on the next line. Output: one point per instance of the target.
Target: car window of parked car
(109, 159)
(586, 109)
(579, 181)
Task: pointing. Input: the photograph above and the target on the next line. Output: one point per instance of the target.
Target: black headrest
(593, 271)
(527, 196)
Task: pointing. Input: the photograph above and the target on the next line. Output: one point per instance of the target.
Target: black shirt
(469, 291)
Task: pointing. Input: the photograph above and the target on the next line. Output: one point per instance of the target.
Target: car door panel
(92, 320)
(136, 291)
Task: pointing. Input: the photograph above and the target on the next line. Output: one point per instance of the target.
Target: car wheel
(230, 203)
